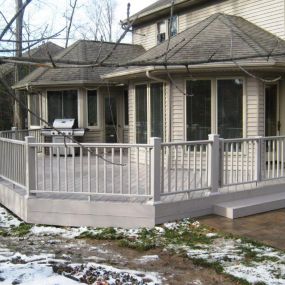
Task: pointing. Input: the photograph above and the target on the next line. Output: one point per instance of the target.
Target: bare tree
(18, 113)
(72, 4)
(99, 21)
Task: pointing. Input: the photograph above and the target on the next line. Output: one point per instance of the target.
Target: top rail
(12, 141)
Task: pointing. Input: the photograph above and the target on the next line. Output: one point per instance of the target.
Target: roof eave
(60, 84)
(198, 67)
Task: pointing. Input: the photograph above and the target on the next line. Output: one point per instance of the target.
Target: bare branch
(8, 26)
(73, 6)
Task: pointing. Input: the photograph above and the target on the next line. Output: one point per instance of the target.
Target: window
(271, 122)
(167, 29)
(161, 32)
(141, 113)
(198, 109)
(149, 95)
(156, 105)
(126, 107)
(173, 26)
(230, 108)
(35, 107)
(92, 100)
(62, 104)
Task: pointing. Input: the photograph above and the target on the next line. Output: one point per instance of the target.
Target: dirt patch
(173, 269)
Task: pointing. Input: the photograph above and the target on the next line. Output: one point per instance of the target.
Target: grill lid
(64, 123)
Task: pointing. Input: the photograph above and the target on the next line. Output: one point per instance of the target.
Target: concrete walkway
(268, 228)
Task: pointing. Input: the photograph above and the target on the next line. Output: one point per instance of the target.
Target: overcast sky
(42, 12)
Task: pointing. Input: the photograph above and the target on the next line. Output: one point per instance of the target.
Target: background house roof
(218, 38)
(39, 52)
(82, 51)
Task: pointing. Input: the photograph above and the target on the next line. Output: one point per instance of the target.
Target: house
(7, 72)
(80, 93)
(216, 64)
(199, 98)
(203, 44)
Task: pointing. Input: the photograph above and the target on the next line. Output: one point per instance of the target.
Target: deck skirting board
(13, 201)
(70, 212)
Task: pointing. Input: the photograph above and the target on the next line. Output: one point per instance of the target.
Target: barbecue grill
(63, 127)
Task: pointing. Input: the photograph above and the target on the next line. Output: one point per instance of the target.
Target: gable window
(149, 111)
(92, 101)
(198, 109)
(161, 32)
(35, 101)
(230, 108)
(62, 104)
(167, 29)
(173, 26)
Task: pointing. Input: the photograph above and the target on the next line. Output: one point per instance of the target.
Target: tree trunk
(18, 112)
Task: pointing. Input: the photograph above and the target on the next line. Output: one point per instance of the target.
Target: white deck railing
(185, 167)
(239, 161)
(140, 171)
(13, 161)
(96, 169)
(16, 134)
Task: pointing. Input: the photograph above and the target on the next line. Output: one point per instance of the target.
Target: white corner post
(155, 169)
(30, 165)
(14, 130)
(257, 155)
(214, 163)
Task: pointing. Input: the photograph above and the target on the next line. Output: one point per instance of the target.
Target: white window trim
(98, 126)
(149, 110)
(214, 102)
(40, 111)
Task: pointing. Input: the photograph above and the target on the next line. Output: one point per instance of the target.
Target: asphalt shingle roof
(39, 52)
(82, 51)
(218, 38)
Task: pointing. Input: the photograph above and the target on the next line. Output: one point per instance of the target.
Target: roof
(219, 38)
(39, 52)
(83, 51)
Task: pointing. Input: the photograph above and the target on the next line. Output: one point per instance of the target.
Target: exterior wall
(255, 108)
(132, 113)
(175, 113)
(96, 133)
(267, 14)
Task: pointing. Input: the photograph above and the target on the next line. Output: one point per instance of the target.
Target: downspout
(148, 75)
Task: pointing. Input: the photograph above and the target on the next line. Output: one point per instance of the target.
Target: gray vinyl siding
(255, 108)
(146, 36)
(132, 116)
(177, 111)
(267, 14)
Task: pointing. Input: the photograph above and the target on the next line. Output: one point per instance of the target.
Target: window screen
(92, 108)
(141, 113)
(230, 108)
(198, 109)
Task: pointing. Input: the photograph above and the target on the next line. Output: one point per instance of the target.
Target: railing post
(14, 130)
(214, 164)
(30, 165)
(257, 147)
(155, 169)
